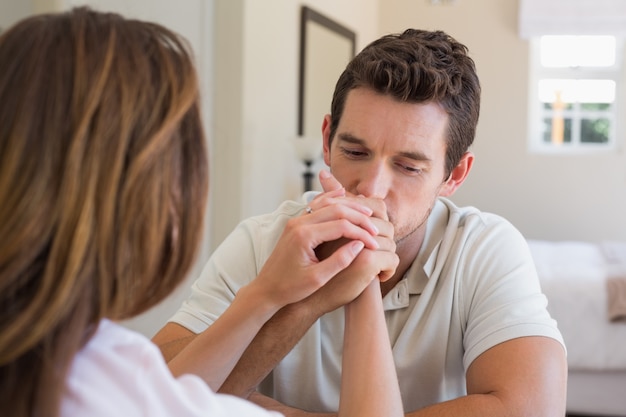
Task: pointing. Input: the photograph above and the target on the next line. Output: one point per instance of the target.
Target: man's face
(391, 150)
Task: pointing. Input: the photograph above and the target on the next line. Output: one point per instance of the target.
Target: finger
(328, 181)
(340, 259)
(344, 212)
(339, 192)
(329, 199)
(385, 228)
(374, 206)
(377, 205)
(382, 264)
(386, 244)
(328, 231)
(391, 264)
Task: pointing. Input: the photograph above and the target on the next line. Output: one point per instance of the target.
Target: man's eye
(410, 169)
(353, 153)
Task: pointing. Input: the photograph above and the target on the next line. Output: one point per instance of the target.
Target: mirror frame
(309, 15)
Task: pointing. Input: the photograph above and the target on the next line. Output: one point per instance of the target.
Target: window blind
(572, 17)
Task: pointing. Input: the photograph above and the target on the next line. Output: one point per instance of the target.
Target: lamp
(308, 150)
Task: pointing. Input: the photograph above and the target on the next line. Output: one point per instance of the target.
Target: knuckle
(296, 231)
(317, 279)
(367, 256)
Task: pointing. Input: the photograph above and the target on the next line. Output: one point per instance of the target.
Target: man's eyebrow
(348, 137)
(414, 155)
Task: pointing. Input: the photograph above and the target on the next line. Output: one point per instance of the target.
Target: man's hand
(293, 271)
(350, 282)
(380, 262)
(334, 219)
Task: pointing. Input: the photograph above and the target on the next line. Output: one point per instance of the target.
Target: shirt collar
(416, 277)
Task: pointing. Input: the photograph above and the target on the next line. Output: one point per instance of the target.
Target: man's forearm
(469, 406)
(171, 349)
(275, 339)
(271, 404)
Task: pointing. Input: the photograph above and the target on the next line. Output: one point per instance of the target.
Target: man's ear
(458, 175)
(326, 138)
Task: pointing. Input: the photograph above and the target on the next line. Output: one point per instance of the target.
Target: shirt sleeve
(230, 267)
(235, 263)
(502, 298)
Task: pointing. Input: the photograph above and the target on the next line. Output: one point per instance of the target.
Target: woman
(103, 182)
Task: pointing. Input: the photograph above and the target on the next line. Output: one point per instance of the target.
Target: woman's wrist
(255, 299)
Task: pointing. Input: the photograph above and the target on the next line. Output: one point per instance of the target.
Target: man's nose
(374, 181)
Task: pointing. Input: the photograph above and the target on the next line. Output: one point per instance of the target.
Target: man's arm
(291, 273)
(213, 354)
(281, 333)
(171, 339)
(275, 339)
(521, 377)
(369, 384)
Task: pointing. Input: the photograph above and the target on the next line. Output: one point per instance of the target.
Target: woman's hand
(293, 271)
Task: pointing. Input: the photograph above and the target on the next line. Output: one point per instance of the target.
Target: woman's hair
(103, 183)
(418, 66)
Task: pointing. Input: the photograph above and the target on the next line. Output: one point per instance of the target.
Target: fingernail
(357, 246)
(324, 174)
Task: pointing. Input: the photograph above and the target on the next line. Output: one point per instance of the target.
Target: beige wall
(11, 11)
(254, 161)
(545, 196)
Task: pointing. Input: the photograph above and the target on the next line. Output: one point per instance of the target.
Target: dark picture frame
(326, 47)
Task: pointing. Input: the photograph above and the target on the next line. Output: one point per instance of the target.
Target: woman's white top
(121, 373)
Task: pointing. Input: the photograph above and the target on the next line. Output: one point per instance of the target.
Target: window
(574, 92)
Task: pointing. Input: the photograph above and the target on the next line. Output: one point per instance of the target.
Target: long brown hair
(103, 182)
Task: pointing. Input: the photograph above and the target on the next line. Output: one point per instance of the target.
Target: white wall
(11, 11)
(545, 196)
(256, 101)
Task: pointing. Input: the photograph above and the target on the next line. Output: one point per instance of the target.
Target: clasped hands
(328, 255)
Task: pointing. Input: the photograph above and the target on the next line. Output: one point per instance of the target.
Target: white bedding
(573, 277)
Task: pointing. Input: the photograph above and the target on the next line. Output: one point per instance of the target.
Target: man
(466, 318)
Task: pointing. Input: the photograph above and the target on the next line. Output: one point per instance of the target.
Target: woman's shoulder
(121, 372)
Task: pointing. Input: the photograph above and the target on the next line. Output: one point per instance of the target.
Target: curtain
(572, 17)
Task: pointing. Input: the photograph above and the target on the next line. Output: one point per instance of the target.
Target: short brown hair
(103, 182)
(418, 66)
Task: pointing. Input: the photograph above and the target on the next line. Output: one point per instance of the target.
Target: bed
(585, 284)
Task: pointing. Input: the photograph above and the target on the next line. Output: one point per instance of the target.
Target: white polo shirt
(472, 286)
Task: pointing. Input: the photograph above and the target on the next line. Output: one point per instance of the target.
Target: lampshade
(308, 148)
